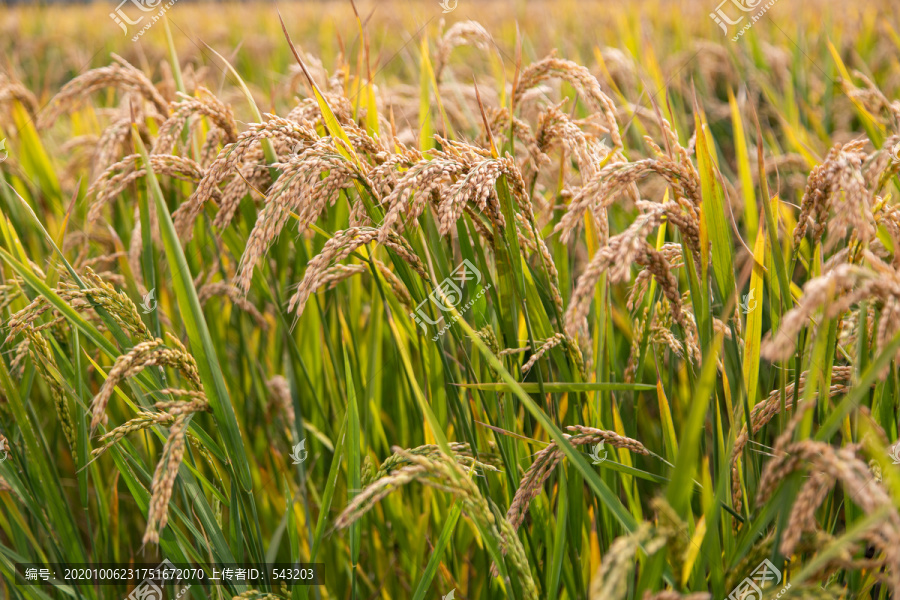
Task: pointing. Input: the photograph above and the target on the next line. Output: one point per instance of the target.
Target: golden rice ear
(338, 248)
(616, 258)
(307, 185)
(196, 402)
(164, 479)
(430, 466)
(828, 465)
(121, 74)
(546, 460)
(462, 33)
(203, 104)
(117, 177)
(234, 295)
(580, 77)
(765, 411)
(11, 90)
(143, 355)
(98, 293)
(235, 157)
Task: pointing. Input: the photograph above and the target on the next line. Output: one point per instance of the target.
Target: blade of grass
(197, 330)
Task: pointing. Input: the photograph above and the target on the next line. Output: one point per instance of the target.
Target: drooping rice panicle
(120, 74)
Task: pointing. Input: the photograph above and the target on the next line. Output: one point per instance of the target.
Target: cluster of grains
(829, 465)
(837, 184)
(10, 292)
(231, 157)
(42, 357)
(476, 188)
(113, 181)
(500, 122)
(510, 351)
(307, 184)
(616, 258)
(98, 295)
(763, 412)
(611, 579)
(589, 153)
(338, 248)
(250, 176)
(487, 335)
(556, 128)
(461, 452)
(227, 290)
(280, 392)
(308, 112)
(390, 165)
(12, 90)
(550, 343)
(883, 165)
(673, 253)
(164, 479)
(670, 533)
(416, 187)
(143, 355)
(121, 74)
(546, 460)
(463, 33)
(339, 273)
(833, 294)
(169, 411)
(444, 473)
(600, 192)
(662, 333)
(206, 104)
(872, 98)
(580, 77)
(889, 217)
(116, 140)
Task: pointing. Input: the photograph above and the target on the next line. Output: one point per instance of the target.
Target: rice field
(452, 299)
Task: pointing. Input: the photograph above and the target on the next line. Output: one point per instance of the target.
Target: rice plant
(480, 308)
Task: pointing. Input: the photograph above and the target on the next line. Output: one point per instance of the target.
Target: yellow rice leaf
(753, 306)
(693, 550)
